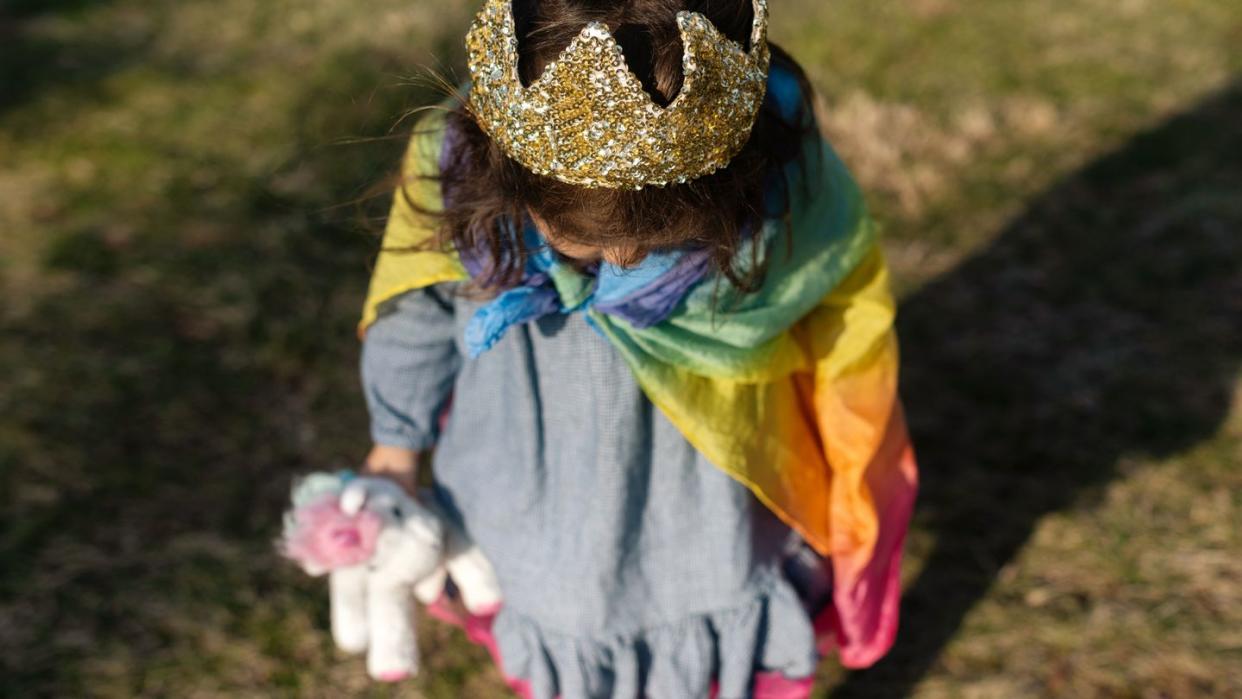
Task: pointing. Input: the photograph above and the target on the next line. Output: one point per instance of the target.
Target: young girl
(635, 303)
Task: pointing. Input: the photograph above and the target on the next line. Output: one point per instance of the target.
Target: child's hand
(397, 463)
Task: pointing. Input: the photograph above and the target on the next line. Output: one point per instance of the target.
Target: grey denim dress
(630, 565)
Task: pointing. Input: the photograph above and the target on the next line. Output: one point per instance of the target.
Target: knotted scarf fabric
(642, 296)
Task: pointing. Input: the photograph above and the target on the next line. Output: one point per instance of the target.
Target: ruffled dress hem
(764, 648)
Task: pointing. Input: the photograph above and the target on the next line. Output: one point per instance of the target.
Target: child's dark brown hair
(488, 188)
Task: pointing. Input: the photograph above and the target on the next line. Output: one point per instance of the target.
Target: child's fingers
(396, 463)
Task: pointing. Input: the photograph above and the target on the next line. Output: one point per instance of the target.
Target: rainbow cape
(791, 390)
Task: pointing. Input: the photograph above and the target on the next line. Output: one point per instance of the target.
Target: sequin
(576, 123)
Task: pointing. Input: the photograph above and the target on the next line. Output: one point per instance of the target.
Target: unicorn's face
(410, 530)
(341, 523)
(379, 496)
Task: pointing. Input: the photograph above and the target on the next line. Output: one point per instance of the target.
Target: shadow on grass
(1106, 321)
(32, 8)
(185, 360)
(30, 63)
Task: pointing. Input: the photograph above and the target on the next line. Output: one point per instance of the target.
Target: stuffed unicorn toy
(379, 548)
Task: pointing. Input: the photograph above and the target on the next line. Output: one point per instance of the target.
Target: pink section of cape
(861, 623)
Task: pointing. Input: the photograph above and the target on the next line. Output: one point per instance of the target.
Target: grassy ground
(181, 266)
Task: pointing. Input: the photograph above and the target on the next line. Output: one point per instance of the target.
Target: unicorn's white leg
(471, 572)
(429, 589)
(393, 653)
(347, 594)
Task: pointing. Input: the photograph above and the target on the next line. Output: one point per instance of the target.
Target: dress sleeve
(409, 364)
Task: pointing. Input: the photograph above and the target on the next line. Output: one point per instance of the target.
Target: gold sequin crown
(588, 121)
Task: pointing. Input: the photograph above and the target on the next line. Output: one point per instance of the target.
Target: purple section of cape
(653, 302)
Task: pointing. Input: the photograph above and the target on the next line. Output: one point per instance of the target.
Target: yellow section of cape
(399, 269)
